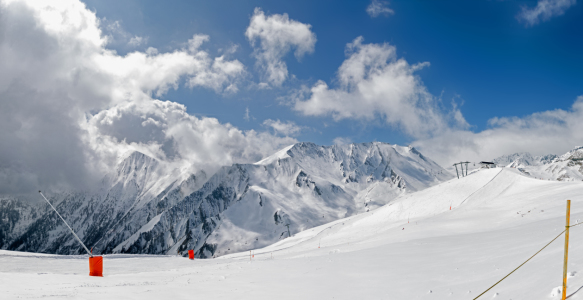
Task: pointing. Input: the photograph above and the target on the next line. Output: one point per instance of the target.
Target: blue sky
(481, 56)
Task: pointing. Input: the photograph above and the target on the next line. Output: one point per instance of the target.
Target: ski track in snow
(481, 187)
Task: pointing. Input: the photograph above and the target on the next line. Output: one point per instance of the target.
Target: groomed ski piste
(414, 247)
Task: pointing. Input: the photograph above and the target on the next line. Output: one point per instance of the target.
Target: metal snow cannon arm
(73, 232)
(95, 262)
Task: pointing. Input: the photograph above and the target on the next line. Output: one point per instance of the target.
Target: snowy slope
(499, 218)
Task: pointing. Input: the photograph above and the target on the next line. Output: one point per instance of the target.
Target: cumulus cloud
(377, 8)
(222, 75)
(548, 132)
(158, 72)
(374, 83)
(288, 128)
(272, 37)
(69, 107)
(165, 130)
(544, 11)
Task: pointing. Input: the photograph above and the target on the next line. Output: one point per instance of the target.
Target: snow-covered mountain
(567, 167)
(523, 159)
(246, 206)
(146, 207)
(137, 182)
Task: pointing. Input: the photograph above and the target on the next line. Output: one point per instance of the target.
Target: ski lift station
(487, 164)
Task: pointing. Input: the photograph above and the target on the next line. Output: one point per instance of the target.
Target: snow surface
(415, 247)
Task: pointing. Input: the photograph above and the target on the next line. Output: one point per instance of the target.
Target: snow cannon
(95, 262)
(96, 266)
(191, 254)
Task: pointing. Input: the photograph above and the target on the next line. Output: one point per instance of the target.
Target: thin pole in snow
(567, 225)
(73, 232)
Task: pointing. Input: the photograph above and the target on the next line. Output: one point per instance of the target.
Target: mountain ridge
(147, 207)
(566, 167)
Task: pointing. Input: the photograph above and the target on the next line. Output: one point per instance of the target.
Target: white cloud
(374, 83)
(247, 116)
(377, 8)
(137, 41)
(116, 35)
(151, 51)
(222, 75)
(549, 132)
(273, 37)
(544, 10)
(288, 128)
(231, 49)
(196, 41)
(342, 141)
(153, 71)
(69, 107)
(165, 130)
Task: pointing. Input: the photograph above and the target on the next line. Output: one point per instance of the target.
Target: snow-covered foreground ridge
(145, 207)
(412, 248)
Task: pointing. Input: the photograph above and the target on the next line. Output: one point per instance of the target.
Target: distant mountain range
(145, 207)
(567, 167)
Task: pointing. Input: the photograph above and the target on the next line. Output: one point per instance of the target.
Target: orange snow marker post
(191, 254)
(95, 262)
(567, 223)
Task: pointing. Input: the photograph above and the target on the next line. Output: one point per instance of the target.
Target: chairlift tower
(462, 168)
